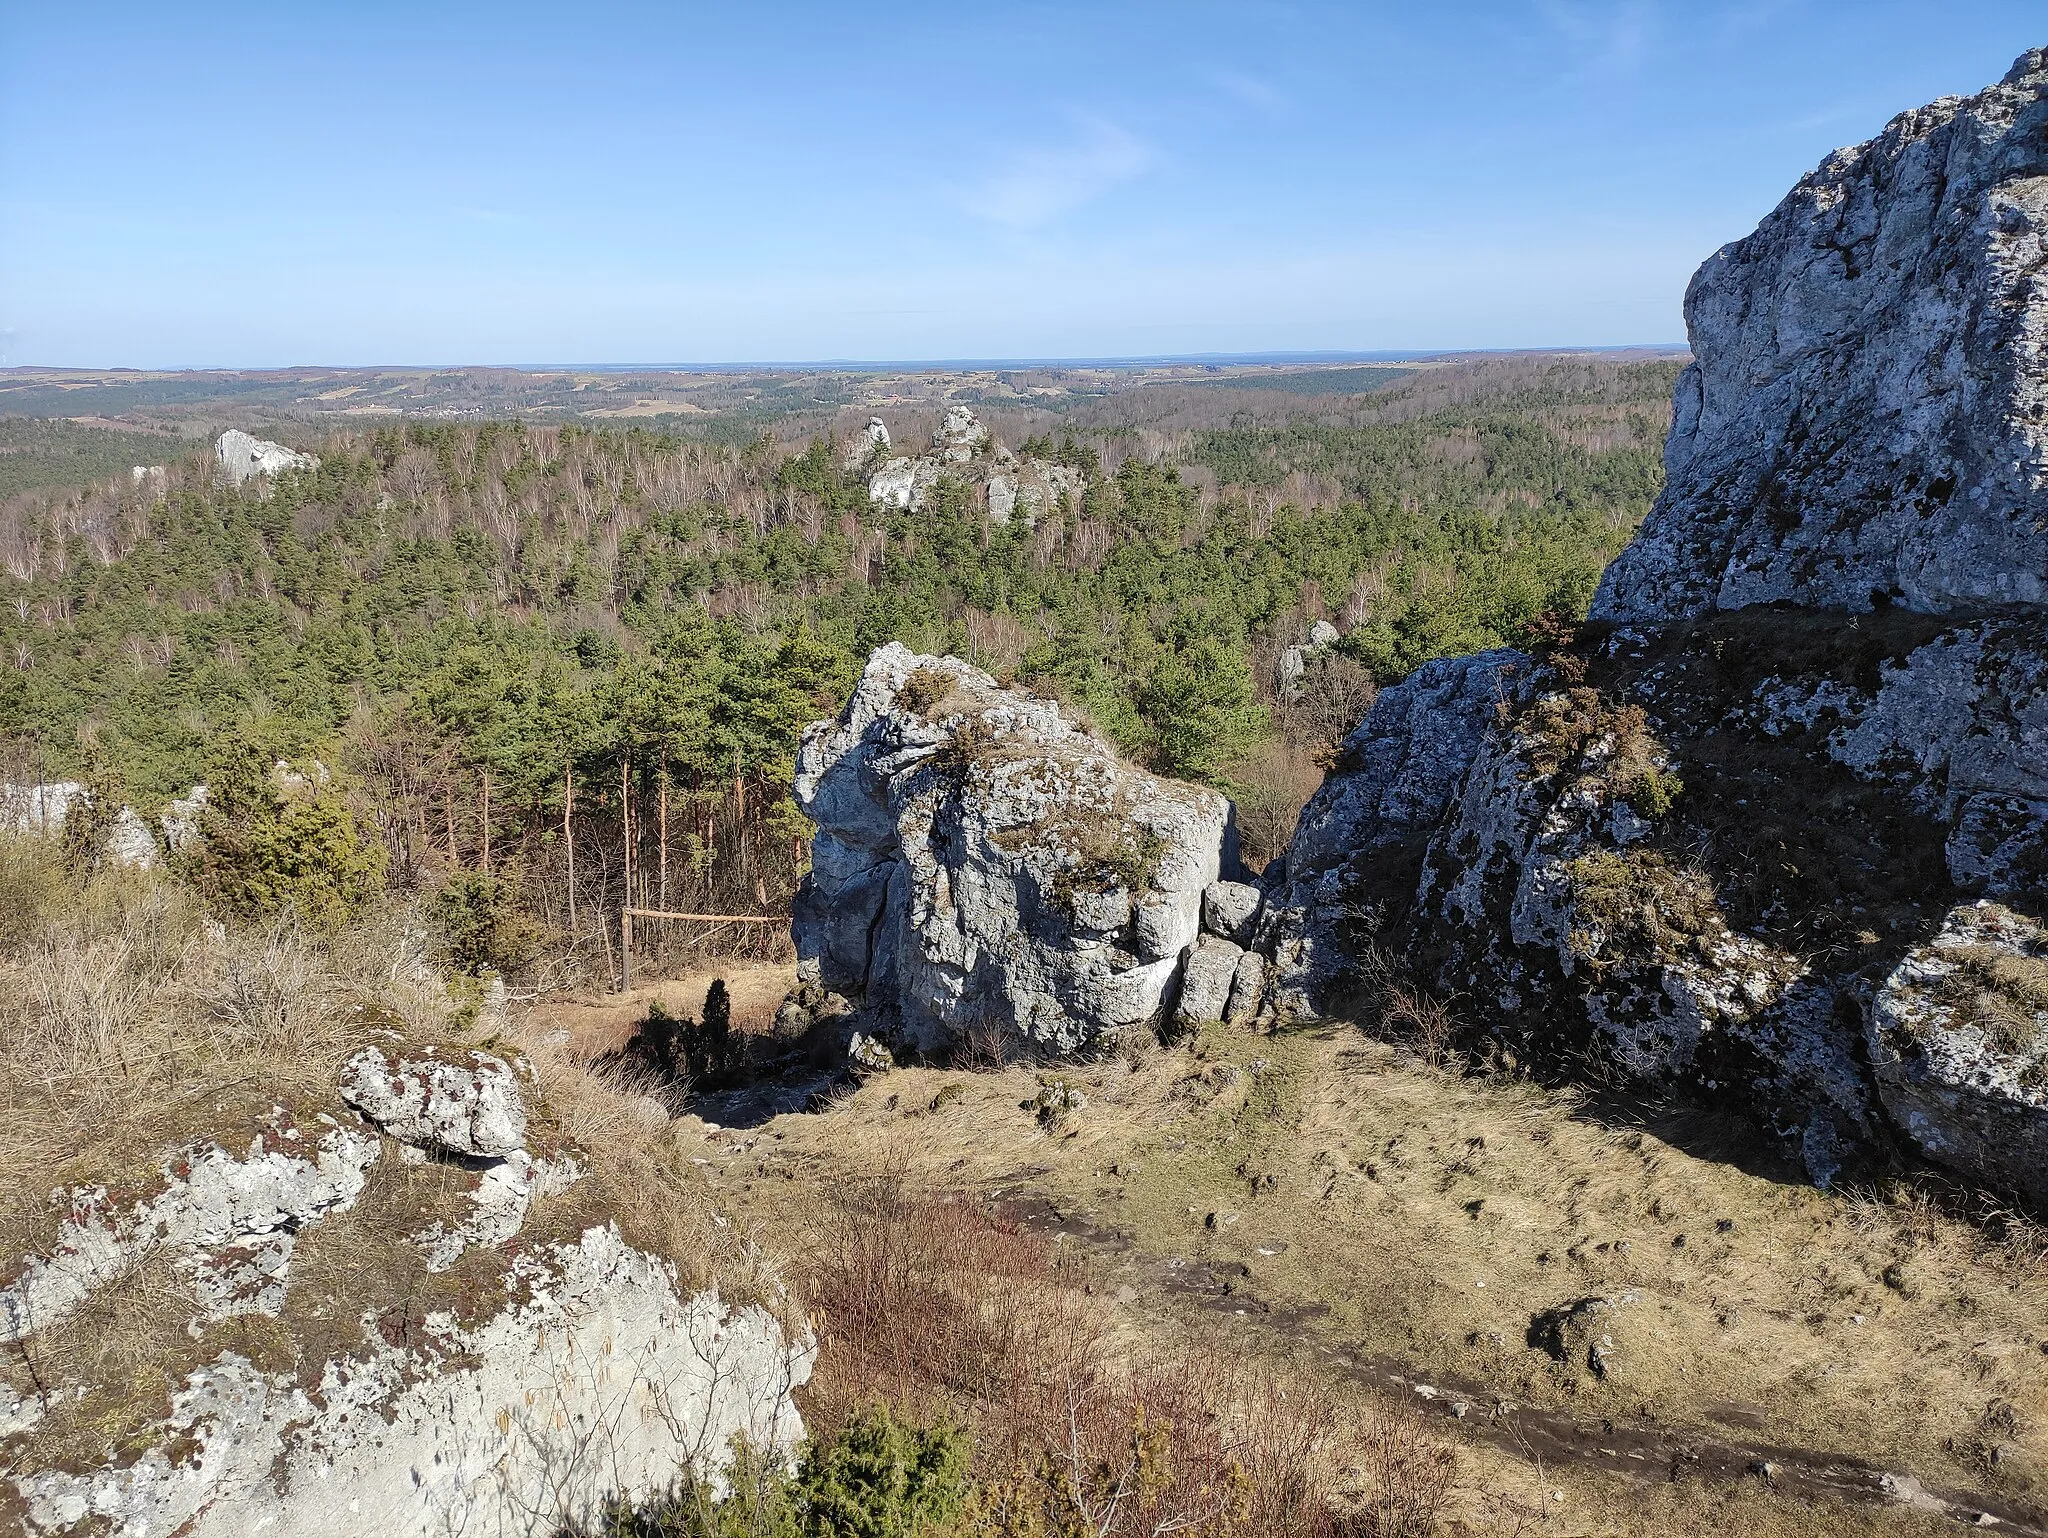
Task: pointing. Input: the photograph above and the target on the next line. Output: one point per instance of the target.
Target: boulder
(1958, 1038)
(243, 457)
(465, 1104)
(1229, 909)
(985, 867)
(1862, 421)
(1207, 974)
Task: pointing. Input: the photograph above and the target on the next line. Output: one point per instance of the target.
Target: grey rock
(1247, 989)
(1207, 975)
(1958, 1040)
(598, 1379)
(227, 1221)
(1395, 778)
(467, 1104)
(505, 1191)
(870, 444)
(975, 856)
(1230, 909)
(1864, 413)
(1322, 635)
(963, 450)
(243, 458)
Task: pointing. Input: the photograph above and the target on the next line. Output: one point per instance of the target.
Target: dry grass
(1367, 1207)
(2004, 994)
(130, 1025)
(934, 1305)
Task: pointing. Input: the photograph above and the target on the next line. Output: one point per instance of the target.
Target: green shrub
(274, 838)
(91, 816)
(482, 924)
(877, 1478)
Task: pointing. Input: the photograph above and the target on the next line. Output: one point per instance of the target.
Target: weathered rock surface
(1728, 844)
(468, 1106)
(599, 1379)
(229, 1222)
(1958, 1038)
(871, 441)
(243, 457)
(1864, 417)
(576, 1373)
(983, 866)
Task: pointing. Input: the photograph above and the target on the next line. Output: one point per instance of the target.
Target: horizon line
(859, 365)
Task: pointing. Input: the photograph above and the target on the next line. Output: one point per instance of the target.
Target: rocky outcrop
(228, 1221)
(563, 1371)
(130, 840)
(1729, 844)
(244, 458)
(986, 869)
(1863, 421)
(866, 446)
(468, 1106)
(1958, 1038)
(598, 1378)
(963, 450)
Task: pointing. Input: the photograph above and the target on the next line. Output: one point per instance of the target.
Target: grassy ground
(1328, 1201)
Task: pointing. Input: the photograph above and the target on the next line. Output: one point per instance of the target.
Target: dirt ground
(1775, 1359)
(597, 1022)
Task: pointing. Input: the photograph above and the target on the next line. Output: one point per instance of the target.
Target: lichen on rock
(984, 866)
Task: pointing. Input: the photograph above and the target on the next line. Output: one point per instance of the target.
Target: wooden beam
(710, 918)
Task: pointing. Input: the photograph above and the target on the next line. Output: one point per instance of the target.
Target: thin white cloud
(1252, 91)
(1610, 39)
(1036, 185)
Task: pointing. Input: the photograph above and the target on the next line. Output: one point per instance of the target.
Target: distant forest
(503, 637)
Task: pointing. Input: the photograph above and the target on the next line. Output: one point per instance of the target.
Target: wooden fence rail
(628, 914)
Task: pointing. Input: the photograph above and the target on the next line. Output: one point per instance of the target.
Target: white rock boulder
(244, 457)
(984, 865)
(465, 1104)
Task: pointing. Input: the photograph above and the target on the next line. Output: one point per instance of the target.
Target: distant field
(35, 454)
(1322, 381)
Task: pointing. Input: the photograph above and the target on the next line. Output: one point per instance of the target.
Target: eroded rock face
(469, 1105)
(1864, 419)
(228, 1221)
(1730, 843)
(244, 457)
(983, 865)
(575, 1371)
(601, 1379)
(1958, 1041)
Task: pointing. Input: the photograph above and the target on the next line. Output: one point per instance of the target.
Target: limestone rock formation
(1958, 1038)
(984, 867)
(873, 440)
(471, 1109)
(964, 450)
(597, 1378)
(1864, 418)
(569, 1370)
(1732, 842)
(243, 457)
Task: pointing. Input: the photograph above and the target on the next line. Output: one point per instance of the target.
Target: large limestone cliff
(1866, 418)
(1774, 834)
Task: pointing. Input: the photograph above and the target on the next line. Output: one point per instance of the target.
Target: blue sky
(257, 185)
